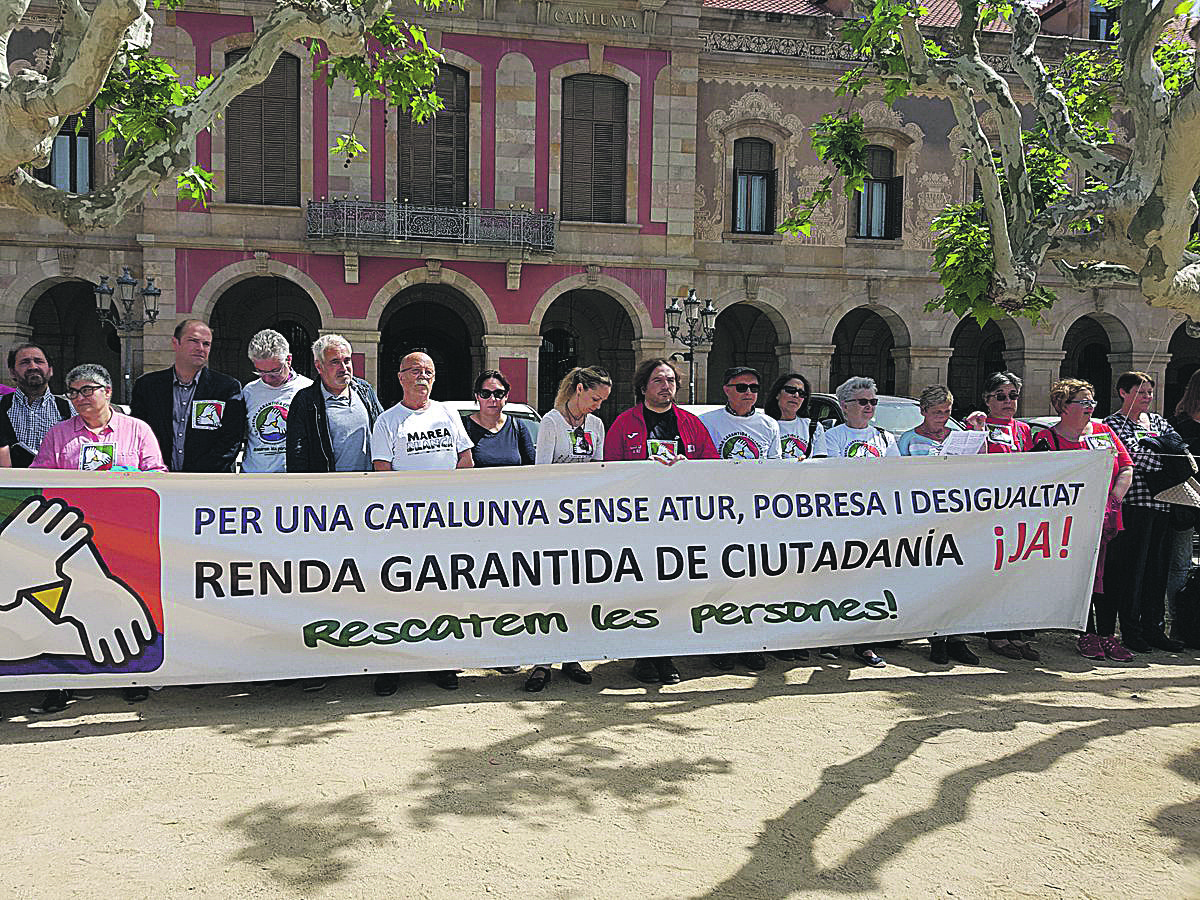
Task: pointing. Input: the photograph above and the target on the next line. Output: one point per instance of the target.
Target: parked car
(1038, 423)
(522, 411)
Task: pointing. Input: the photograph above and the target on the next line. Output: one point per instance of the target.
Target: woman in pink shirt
(99, 438)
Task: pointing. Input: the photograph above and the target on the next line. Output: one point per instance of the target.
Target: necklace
(572, 418)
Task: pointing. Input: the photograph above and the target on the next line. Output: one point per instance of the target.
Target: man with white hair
(330, 422)
(268, 401)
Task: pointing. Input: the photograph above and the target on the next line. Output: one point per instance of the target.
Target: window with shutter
(70, 167)
(594, 131)
(753, 186)
(880, 205)
(433, 158)
(262, 137)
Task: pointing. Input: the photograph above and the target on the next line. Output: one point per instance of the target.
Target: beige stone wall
(516, 124)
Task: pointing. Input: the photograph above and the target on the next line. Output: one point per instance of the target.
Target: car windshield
(899, 414)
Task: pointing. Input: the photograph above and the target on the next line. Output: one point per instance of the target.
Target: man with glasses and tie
(268, 401)
(739, 431)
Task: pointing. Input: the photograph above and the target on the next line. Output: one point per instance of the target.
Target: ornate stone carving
(434, 268)
(66, 259)
(593, 275)
(708, 222)
(513, 275)
(829, 219)
(260, 261)
(350, 265)
(932, 193)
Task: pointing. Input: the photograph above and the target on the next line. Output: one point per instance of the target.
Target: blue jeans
(1180, 564)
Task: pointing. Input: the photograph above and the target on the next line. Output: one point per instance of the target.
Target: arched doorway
(1185, 359)
(586, 328)
(249, 306)
(1087, 347)
(978, 352)
(438, 320)
(66, 326)
(862, 345)
(744, 336)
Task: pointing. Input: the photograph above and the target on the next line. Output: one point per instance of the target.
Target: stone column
(813, 361)
(645, 348)
(516, 355)
(364, 344)
(11, 334)
(1153, 364)
(1038, 369)
(919, 367)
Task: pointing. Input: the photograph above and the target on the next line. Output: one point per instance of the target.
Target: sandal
(577, 673)
(538, 679)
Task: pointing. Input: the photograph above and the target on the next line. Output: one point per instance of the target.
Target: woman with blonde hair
(1074, 401)
(572, 433)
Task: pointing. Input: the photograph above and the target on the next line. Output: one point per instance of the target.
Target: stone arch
(894, 320)
(265, 301)
(210, 292)
(862, 347)
(633, 128)
(424, 275)
(1121, 337)
(629, 299)
(1017, 332)
(32, 282)
(749, 332)
(766, 301)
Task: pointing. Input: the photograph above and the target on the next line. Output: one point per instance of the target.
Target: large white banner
(114, 579)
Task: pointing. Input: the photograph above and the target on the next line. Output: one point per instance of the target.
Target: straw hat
(1185, 494)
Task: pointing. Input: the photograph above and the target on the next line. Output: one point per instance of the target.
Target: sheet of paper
(964, 443)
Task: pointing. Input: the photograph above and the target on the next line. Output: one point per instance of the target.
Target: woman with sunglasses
(572, 433)
(1005, 434)
(99, 438)
(500, 440)
(1074, 401)
(857, 438)
(800, 438)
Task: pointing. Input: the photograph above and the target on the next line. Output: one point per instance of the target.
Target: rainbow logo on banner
(82, 585)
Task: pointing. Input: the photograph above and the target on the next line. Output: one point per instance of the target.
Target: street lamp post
(692, 314)
(125, 318)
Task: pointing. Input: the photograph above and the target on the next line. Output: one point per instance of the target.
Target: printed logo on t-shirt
(862, 448)
(739, 446)
(1001, 435)
(581, 443)
(660, 449)
(270, 423)
(207, 414)
(793, 447)
(1100, 442)
(431, 441)
(97, 457)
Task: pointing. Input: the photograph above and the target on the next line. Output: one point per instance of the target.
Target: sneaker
(645, 671)
(829, 653)
(871, 658)
(1114, 651)
(1090, 646)
(54, 701)
(753, 661)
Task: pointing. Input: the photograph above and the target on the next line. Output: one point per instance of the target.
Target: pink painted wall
(516, 370)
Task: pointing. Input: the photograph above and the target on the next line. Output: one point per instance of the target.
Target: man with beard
(28, 413)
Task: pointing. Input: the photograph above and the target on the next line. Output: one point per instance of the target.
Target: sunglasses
(86, 391)
(794, 391)
(742, 387)
(863, 401)
(1011, 395)
(488, 393)
(1090, 404)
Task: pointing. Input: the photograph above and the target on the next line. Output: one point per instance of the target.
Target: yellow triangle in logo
(50, 596)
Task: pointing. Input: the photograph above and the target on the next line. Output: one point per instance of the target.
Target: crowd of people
(189, 418)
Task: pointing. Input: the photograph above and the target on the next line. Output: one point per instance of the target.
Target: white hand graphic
(26, 633)
(116, 624)
(58, 576)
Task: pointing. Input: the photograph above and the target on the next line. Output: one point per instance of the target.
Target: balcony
(360, 220)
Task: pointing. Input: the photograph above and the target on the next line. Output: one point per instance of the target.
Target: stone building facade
(710, 150)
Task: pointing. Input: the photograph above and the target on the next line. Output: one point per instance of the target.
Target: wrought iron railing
(366, 221)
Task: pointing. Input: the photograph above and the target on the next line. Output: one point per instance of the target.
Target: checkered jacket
(1144, 459)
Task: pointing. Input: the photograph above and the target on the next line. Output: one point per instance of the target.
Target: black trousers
(1135, 572)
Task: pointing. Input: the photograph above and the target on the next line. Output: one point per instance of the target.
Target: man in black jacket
(198, 415)
(26, 416)
(330, 422)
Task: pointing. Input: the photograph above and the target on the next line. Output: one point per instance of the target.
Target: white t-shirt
(869, 442)
(558, 442)
(429, 438)
(266, 413)
(755, 436)
(794, 437)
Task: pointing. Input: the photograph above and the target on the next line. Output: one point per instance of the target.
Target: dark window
(594, 123)
(70, 166)
(433, 157)
(881, 203)
(1101, 22)
(753, 186)
(262, 137)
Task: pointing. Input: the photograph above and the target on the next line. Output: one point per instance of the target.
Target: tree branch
(1097, 275)
(11, 13)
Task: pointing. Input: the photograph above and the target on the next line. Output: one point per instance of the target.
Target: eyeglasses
(86, 391)
(269, 373)
(488, 393)
(794, 391)
(1090, 404)
(742, 387)
(1011, 395)
(867, 401)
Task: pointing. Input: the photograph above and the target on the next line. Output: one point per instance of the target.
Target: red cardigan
(626, 437)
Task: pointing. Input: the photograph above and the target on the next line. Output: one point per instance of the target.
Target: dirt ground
(1004, 780)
